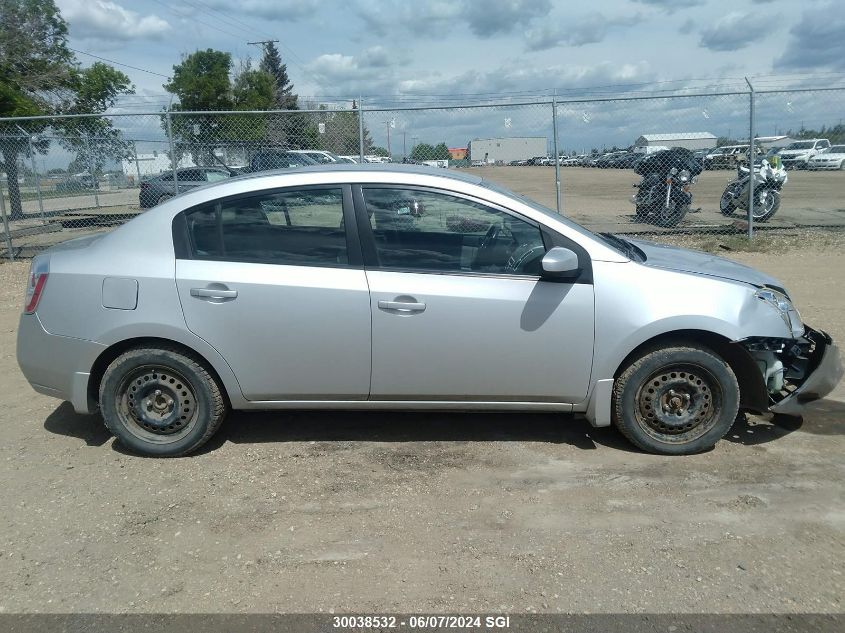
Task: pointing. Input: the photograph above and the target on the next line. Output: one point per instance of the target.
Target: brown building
(458, 153)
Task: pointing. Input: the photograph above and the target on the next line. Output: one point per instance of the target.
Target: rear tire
(164, 198)
(675, 400)
(161, 402)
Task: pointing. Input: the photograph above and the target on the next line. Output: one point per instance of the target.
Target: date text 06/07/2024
(358, 622)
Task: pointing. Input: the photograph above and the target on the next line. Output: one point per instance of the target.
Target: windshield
(801, 145)
(615, 242)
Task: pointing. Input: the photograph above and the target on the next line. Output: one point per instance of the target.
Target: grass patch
(769, 242)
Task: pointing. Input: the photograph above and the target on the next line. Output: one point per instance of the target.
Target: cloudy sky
(444, 51)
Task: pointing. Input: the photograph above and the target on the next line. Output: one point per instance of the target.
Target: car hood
(835, 156)
(696, 262)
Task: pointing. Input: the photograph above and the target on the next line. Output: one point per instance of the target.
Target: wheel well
(753, 393)
(110, 353)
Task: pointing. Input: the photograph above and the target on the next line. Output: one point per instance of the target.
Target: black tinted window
(417, 229)
(292, 227)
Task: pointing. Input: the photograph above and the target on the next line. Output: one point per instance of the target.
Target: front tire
(726, 203)
(768, 206)
(670, 217)
(676, 400)
(161, 402)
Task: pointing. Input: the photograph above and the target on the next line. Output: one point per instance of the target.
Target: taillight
(37, 280)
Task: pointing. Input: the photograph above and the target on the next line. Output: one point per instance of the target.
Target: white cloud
(281, 10)
(732, 32)
(577, 31)
(109, 21)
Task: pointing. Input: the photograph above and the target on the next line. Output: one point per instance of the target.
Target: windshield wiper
(625, 246)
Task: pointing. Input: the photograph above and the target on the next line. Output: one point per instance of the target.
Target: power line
(111, 61)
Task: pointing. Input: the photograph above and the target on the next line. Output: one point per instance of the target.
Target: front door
(272, 282)
(459, 311)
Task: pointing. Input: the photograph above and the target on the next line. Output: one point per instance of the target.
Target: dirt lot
(599, 198)
(424, 512)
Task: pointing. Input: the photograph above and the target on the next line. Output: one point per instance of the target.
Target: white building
(688, 140)
(152, 164)
(505, 150)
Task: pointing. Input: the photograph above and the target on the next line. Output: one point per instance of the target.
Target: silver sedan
(378, 287)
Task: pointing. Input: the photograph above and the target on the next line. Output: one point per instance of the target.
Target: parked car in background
(361, 287)
(572, 161)
(269, 159)
(320, 157)
(833, 158)
(797, 155)
(729, 156)
(161, 188)
(77, 183)
(628, 160)
(605, 161)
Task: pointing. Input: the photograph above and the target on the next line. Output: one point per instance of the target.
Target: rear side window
(300, 228)
(214, 176)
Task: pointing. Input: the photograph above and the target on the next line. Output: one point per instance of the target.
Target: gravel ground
(366, 512)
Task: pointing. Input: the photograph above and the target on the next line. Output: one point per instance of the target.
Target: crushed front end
(796, 371)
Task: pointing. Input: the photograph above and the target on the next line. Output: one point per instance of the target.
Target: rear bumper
(56, 366)
(824, 373)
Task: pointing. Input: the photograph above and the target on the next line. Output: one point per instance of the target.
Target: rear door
(275, 283)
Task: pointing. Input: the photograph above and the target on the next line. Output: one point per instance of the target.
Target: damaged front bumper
(810, 368)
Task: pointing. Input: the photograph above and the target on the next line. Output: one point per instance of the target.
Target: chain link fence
(652, 166)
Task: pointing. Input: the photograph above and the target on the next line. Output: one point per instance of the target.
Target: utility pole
(404, 145)
(263, 43)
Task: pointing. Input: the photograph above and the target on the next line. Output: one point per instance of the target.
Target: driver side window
(430, 231)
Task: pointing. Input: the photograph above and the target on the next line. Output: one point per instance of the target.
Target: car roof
(365, 168)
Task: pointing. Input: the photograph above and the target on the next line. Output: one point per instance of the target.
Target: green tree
(284, 97)
(95, 139)
(36, 74)
(379, 151)
(441, 152)
(290, 129)
(201, 82)
(423, 151)
(40, 76)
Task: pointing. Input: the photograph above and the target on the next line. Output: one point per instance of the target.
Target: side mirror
(559, 263)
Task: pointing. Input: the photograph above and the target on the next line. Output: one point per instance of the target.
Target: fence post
(556, 153)
(751, 156)
(91, 169)
(173, 159)
(360, 129)
(6, 226)
(34, 173)
(137, 166)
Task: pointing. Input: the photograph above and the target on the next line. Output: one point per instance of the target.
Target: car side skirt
(409, 405)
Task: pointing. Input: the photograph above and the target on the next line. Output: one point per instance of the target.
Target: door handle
(213, 293)
(401, 306)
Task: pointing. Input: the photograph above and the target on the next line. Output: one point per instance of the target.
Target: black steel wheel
(676, 400)
(161, 401)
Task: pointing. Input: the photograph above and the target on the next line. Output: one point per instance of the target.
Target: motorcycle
(768, 182)
(664, 190)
